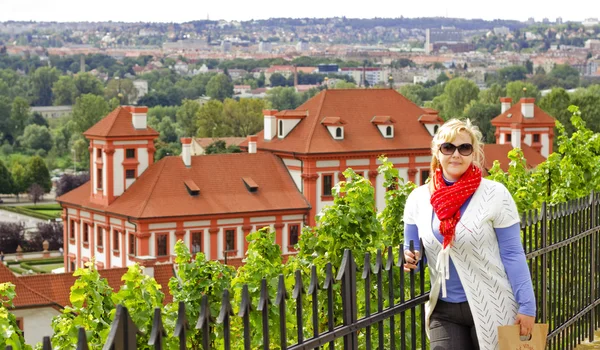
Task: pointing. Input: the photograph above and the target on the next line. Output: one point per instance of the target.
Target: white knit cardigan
(475, 254)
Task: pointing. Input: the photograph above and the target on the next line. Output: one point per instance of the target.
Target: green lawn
(49, 267)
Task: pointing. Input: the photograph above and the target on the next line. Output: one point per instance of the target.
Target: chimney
(138, 116)
(515, 135)
(505, 102)
(270, 124)
(252, 143)
(186, 151)
(527, 106)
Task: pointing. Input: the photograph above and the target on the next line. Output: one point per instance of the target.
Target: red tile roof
(206, 141)
(356, 107)
(382, 119)
(500, 152)
(26, 296)
(332, 121)
(118, 123)
(160, 191)
(430, 119)
(291, 114)
(514, 115)
(57, 287)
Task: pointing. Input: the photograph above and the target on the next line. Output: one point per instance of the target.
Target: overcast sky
(182, 11)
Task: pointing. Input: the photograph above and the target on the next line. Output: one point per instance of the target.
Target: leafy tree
(168, 130)
(36, 172)
(556, 104)
(42, 81)
(85, 83)
(443, 77)
(11, 335)
(64, 91)
(283, 98)
(19, 178)
(122, 89)
(342, 84)
(567, 76)
(69, 182)
(277, 79)
(219, 87)
(37, 119)
(219, 146)
(518, 89)
(187, 116)
(48, 231)
(211, 122)
(482, 114)
(13, 235)
(36, 137)
(19, 114)
(512, 73)
(413, 92)
(7, 184)
(245, 116)
(458, 93)
(492, 95)
(88, 110)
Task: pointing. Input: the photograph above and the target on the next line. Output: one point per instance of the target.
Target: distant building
(199, 144)
(302, 46)
(559, 20)
(142, 88)
(501, 30)
(265, 46)
(52, 111)
(226, 45)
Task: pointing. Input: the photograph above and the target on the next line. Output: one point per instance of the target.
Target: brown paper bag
(509, 338)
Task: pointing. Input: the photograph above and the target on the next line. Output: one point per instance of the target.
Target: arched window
(338, 132)
(280, 128)
(388, 131)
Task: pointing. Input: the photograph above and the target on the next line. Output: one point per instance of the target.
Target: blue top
(511, 253)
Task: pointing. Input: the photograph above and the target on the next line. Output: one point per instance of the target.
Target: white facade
(36, 323)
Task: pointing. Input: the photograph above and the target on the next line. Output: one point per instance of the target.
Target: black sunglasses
(448, 149)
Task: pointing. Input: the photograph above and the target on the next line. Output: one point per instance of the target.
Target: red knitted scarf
(447, 200)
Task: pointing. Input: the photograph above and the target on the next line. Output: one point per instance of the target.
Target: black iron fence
(382, 307)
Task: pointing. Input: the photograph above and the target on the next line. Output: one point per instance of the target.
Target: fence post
(123, 332)
(263, 307)
(347, 274)
(297, 294)
(204, 322)
(594, 222)
(181, 326)
(544, 263)
(46, 344)
(225, 318)
(158, 331)
(82, 343)
(280, 302)
(244, 313)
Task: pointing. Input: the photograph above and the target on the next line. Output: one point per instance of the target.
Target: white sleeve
(410, 208)
(506, 213)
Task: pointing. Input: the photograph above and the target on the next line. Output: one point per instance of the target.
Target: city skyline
(179, 11)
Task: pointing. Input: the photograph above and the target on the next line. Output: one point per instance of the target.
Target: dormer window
(287, 121)
(431, 120)
(280, 129)
(385, 124)
(335, 126)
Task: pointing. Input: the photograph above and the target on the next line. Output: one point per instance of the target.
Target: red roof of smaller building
(498, 152)
(514, 115)
(26, 296)
(119, 123)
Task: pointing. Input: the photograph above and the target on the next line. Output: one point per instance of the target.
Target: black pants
(452, 327)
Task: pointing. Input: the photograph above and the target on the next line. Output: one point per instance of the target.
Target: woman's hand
(411, 260)
(526, 323)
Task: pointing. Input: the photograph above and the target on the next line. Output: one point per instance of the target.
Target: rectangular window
(294, 234)
(508, 137)
(99, 237)
(116, 240)
(20, 324)
(196, 242)
(99, 180)
(327, 184)
(130, 153)
(72, 266)
(536, 138)
(161, 245)
(132, 244)
(229, 240)
(86, 233)
(99, 153)
(72, 230)
(424, 176)
(130, 174)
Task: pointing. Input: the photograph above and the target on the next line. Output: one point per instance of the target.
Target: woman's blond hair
(448, 132)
